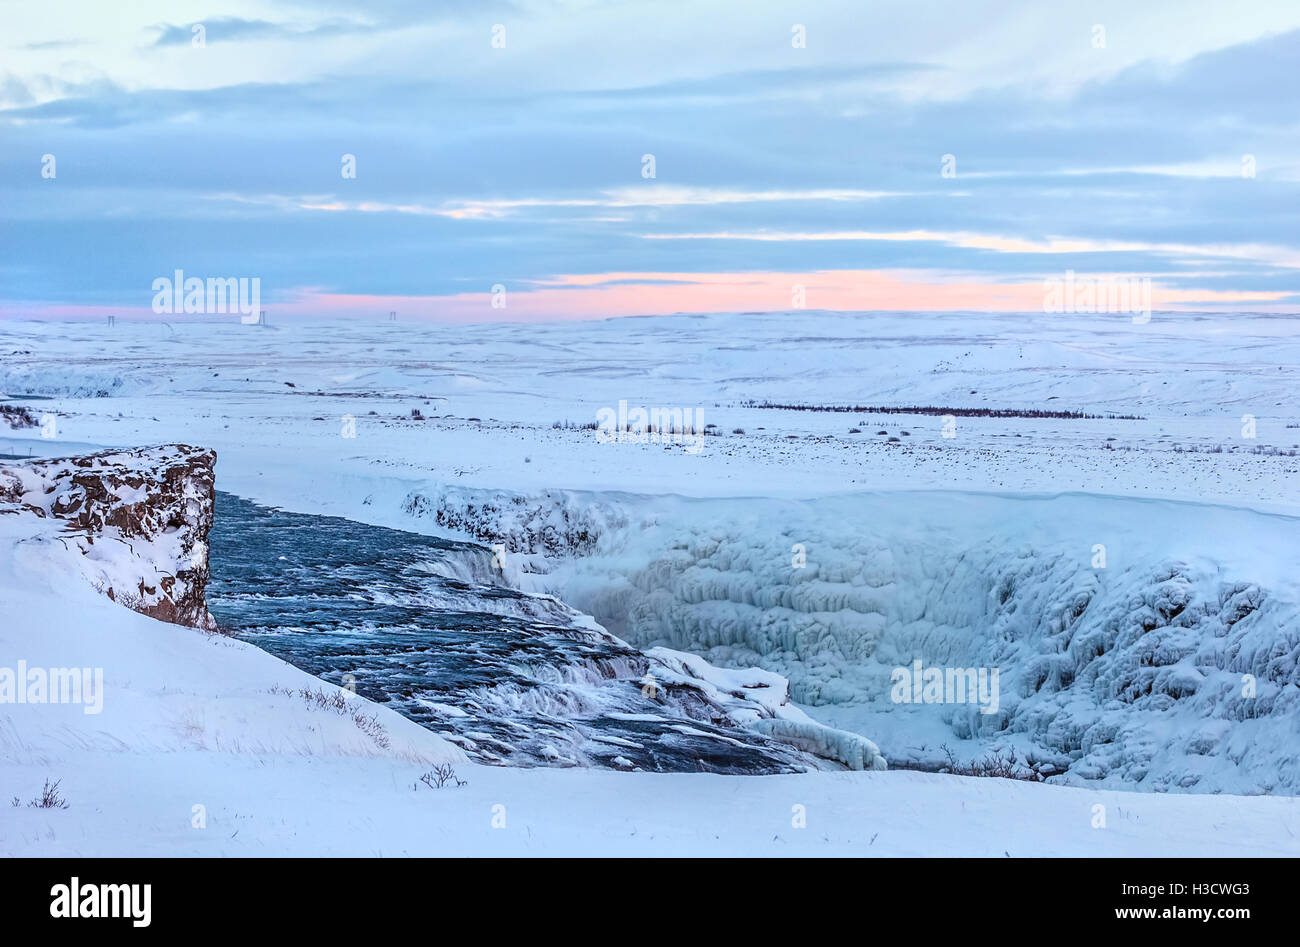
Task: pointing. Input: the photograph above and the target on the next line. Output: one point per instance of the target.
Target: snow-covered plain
(973, 549)
(1192, 377)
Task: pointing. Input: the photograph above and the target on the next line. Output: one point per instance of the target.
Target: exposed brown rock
(157, 502)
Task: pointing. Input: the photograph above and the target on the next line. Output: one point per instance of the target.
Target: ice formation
(1139, 643)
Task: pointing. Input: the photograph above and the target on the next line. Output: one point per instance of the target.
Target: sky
(572, 159)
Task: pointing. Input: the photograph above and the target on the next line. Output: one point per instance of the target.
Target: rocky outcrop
(139, 517)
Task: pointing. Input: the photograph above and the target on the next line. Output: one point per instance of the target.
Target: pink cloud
(602, 295)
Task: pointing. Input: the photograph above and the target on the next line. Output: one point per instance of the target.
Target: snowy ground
(272, 402)
(227, 386)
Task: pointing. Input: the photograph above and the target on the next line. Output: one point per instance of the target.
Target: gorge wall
(140, 519)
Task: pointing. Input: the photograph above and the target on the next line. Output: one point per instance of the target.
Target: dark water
(428, 626)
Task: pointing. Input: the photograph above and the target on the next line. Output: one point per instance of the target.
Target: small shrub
(998, 764)
(49, 797)
(339, 701)
(370, 725)
(441, 775)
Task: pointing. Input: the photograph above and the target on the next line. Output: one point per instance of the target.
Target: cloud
(234, 28)
(479, 165)
(495, 208)
(51, 44)
(1271, 255)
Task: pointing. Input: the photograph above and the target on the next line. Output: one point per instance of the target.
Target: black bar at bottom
(346, 897)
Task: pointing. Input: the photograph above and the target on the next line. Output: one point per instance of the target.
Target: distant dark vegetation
(17, 416)
(939, 412)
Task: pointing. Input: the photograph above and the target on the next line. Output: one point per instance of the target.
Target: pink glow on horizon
(602, 295)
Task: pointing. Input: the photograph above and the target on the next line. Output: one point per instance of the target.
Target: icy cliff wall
(1137, 643)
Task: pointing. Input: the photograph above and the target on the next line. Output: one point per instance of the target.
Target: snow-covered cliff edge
(140, 518)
